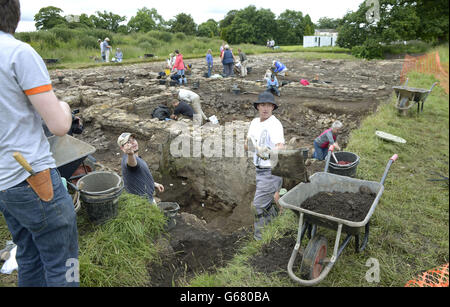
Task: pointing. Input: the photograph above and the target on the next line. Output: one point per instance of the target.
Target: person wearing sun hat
(137, 177)
(264, 135)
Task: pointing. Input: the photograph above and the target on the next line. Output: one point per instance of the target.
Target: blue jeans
(319, 152)
(182, 77)
(273, 88)
(45, 233)
(209, 70)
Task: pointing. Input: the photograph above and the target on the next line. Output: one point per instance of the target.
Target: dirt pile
(190, 248)
(348, 206)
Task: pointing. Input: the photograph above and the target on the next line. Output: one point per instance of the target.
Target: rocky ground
(218, 188)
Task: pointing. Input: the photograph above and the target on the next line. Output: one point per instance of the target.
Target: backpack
(161, 112)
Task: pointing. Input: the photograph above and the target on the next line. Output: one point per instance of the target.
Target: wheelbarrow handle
(391, 160)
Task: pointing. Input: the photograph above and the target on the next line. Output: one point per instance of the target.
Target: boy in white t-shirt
(265, 134)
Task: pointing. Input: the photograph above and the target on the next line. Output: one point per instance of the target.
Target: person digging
(265, 134)
(137, 177)
(326, 139)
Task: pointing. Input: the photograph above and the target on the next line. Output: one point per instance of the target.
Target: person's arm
(55, 113)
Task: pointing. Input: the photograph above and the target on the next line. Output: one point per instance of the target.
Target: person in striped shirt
(325, 140)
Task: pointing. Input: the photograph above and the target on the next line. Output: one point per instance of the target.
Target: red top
(179, 64)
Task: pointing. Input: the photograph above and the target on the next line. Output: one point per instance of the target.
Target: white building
(321, 38)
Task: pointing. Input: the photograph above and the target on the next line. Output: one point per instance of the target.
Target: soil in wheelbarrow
(348, 206)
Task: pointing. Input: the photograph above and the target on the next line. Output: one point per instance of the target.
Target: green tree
(398, 21)
(183, 23)
(107, 20)
(327, 23)
(290, 28)
(308, 26)
(145, 20)
(210, 28)
(434, 19)
(48, 17)
(248, 25)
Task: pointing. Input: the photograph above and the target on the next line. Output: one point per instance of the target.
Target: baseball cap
(123, 138)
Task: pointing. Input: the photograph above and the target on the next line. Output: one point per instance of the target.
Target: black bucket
(99, 193)
(348, 170)
(170, 210)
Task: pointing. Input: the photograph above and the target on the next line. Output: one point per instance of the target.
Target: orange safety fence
(429, 63)
(437, 277)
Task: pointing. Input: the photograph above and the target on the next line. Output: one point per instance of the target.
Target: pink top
(179, 64)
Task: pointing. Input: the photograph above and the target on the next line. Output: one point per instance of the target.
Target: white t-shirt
(22, 73)
(267, 133)
(187, 95)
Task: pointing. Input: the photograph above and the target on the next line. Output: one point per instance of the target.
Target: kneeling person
(182, 108)
(137, 177)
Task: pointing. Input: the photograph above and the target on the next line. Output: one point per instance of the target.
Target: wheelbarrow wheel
(313, 257)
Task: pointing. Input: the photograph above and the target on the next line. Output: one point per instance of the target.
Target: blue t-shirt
(209, 59)
(138, 180)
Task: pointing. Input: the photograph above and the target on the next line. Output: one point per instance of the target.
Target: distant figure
(278, 68)
(325, 139)
(228, 62)
(272, 85)
(100, 44)
(179, 66)
(209, 61)
(243, 60)
(119, 55)
(192, 98)
(181, 108)
(106, 48)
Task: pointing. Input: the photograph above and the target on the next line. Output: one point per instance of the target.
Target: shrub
(160, 35)
(62, 33)
(180, 36)
(371, 49)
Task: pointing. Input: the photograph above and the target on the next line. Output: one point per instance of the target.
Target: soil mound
(191, 249)
(348, 206)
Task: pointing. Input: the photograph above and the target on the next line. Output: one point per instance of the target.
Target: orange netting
(437, 277)
(429, 63)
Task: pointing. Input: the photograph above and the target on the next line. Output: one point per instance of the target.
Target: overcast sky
(200, 10)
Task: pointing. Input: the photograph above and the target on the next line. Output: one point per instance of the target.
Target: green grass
(76, 48)
(117, 253)
(409, 229)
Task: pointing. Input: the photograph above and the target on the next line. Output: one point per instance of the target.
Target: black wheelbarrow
(315, 265)
(407, 97)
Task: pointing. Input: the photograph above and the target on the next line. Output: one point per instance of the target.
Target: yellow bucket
(167, 71)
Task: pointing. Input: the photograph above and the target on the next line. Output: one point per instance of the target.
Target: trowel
(41, 182)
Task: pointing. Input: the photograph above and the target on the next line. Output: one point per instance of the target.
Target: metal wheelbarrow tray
(313, 267)
(406, 94)
(69, 153)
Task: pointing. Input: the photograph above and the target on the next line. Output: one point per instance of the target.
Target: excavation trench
(215, 189)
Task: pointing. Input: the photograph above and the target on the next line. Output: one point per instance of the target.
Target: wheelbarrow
(407, 97)
(315, 265)
(69, 154)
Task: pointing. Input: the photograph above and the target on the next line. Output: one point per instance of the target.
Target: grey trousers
(265, 209)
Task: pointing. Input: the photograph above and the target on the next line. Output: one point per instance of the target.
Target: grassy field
(77, 48)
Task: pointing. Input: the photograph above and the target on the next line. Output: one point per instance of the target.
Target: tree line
(248, 25)
(375, 24)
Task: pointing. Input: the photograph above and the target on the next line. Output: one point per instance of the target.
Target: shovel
(41, 182)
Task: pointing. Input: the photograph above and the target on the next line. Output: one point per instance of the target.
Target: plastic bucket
(170, 210)
(167, 71)
(347, 169)
(99, 193)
